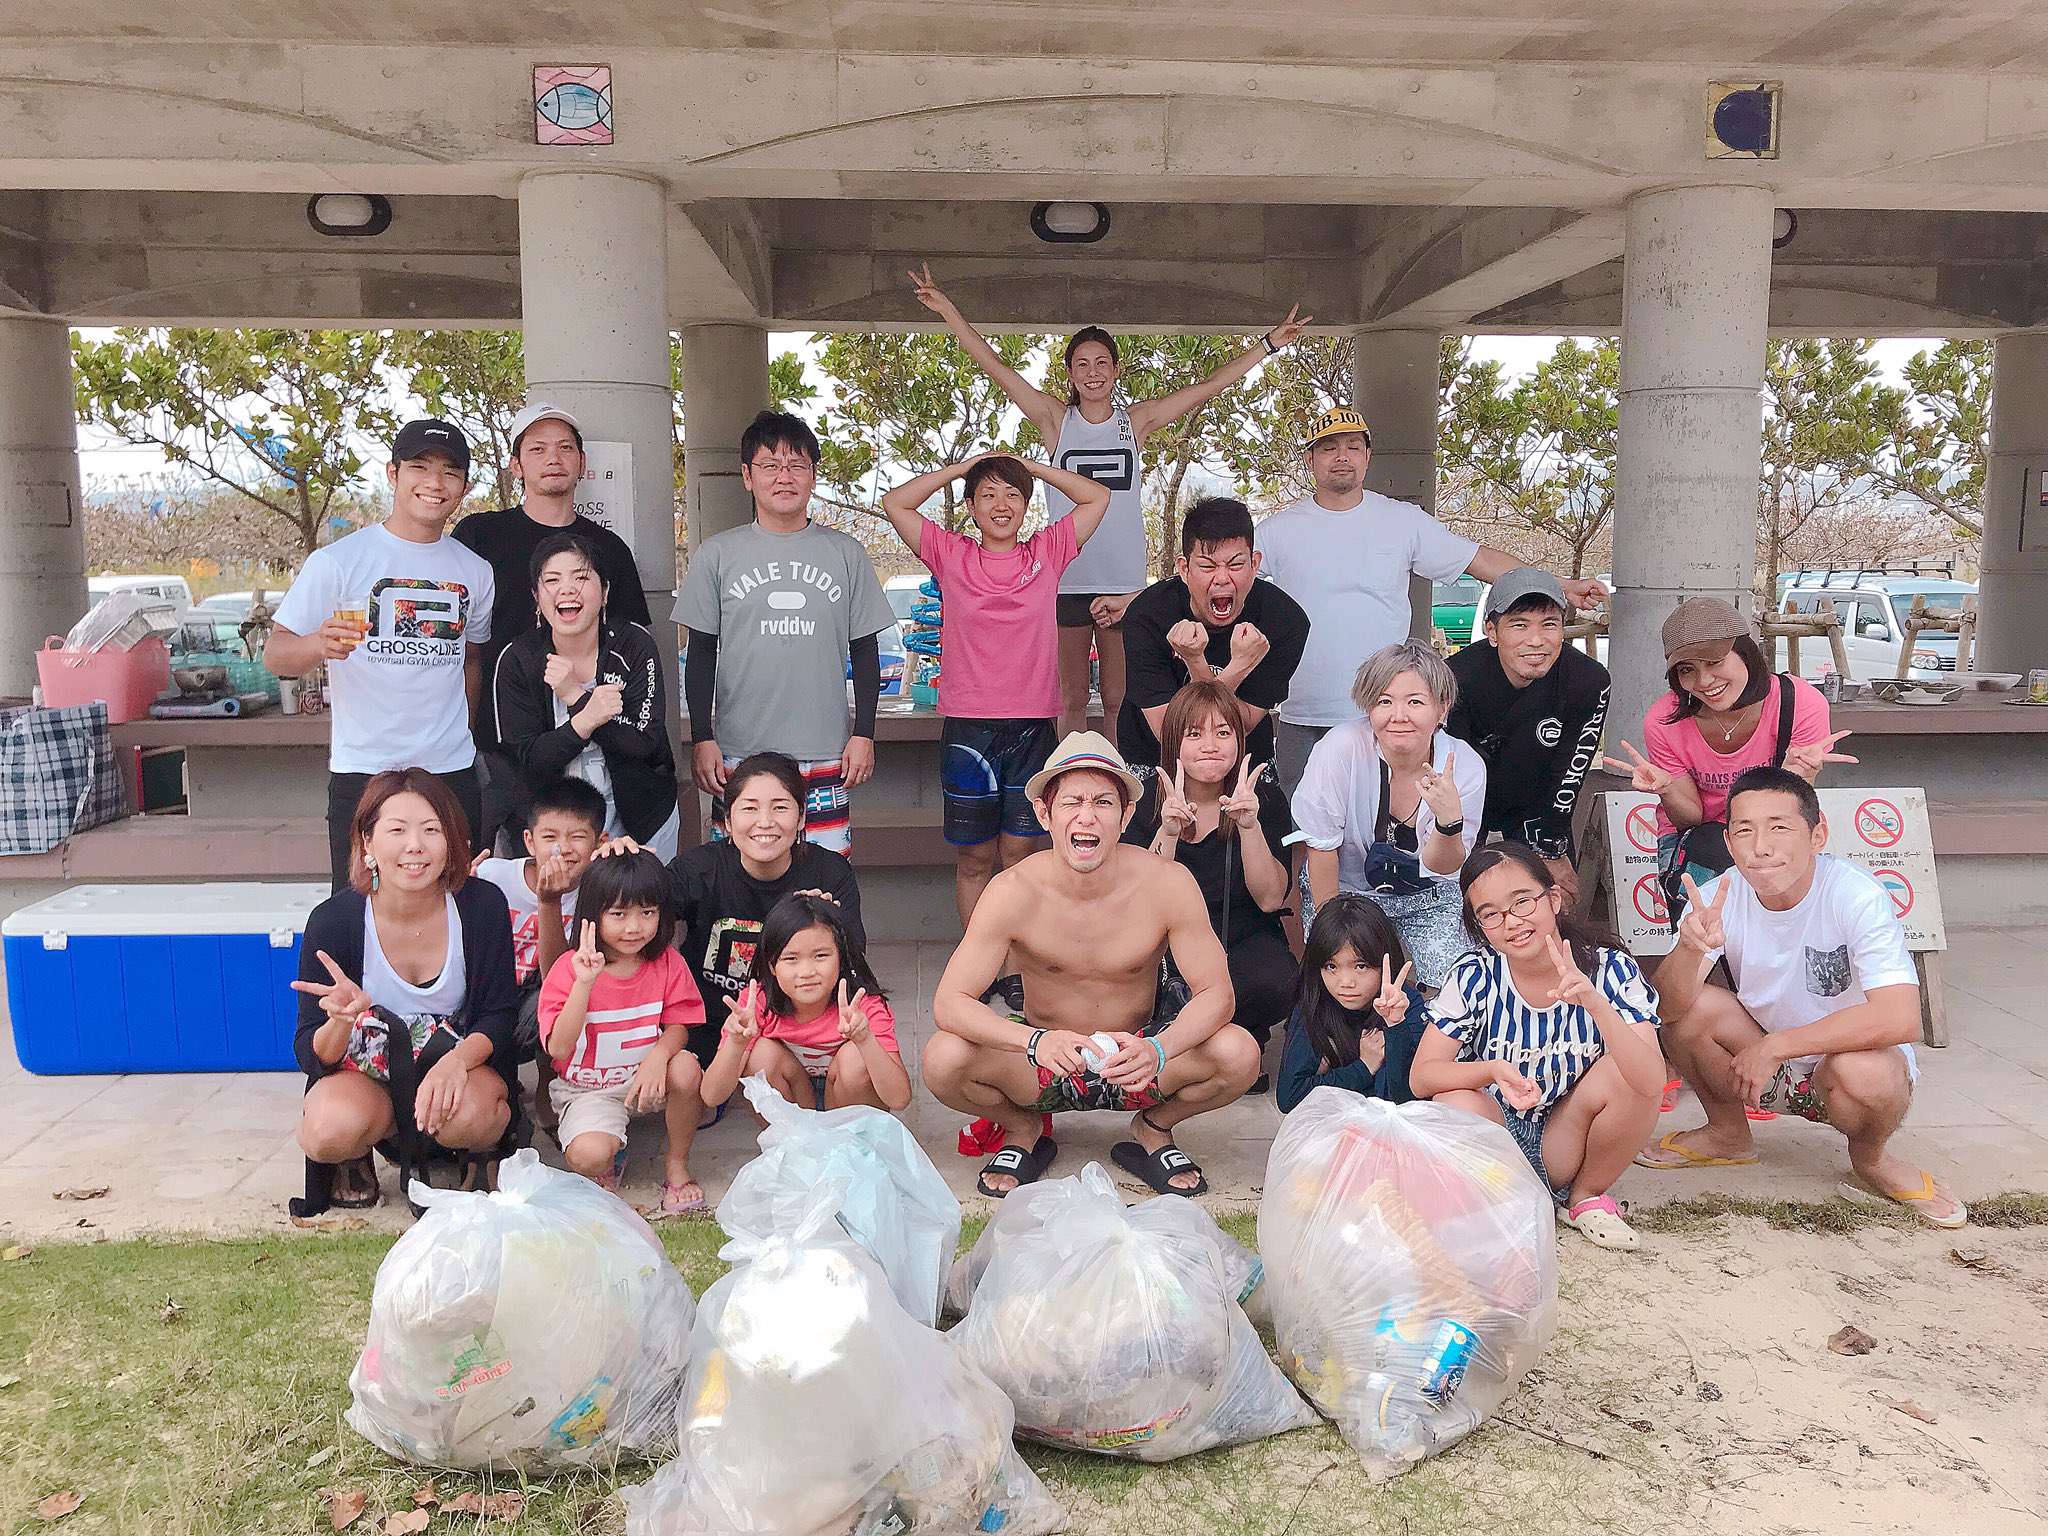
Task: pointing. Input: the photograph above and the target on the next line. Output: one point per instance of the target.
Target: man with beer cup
(399, 612)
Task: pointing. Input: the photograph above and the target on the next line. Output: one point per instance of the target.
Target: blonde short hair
(1378, 671)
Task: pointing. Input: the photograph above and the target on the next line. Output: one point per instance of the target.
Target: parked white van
(168, 596)
(1874, 607)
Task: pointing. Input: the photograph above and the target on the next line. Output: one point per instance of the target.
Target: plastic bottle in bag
(896, 1203)
(537, 1328)
(1119, 1330)
(817, 1406)
(1411, 1265)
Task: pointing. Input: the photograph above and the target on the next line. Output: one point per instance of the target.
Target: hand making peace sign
(588, 959)
(853, 1018)
(1699, 927)
(1574, 986)
(1644, 776)
(1808, 760)
(743, 1015)
(342, 999)
(1288, 331)
(1241, 805)
(1176, 815)
(1392, 1003)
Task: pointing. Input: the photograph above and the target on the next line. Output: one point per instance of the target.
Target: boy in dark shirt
(1534, 708)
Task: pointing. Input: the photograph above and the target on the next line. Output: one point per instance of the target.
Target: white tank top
(439, 998)
(1107, 453)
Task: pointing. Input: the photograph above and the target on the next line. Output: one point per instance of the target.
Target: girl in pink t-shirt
(615, 1017)
(813, 1021)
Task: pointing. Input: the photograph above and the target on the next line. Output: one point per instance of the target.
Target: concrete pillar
(42, 523)
(1695, 296)
(725, 385)
(1394, 386)
(593, 276)
(2012, 630)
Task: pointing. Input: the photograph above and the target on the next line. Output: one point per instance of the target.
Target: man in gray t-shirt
(777, 612)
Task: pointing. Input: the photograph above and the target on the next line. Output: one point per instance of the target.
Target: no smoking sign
(1879, 823)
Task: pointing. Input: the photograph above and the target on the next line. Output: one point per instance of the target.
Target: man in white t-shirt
(1345, 554)
(1825, 1008)
(400, 613)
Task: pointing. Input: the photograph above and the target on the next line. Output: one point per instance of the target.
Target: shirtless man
(1085, 925)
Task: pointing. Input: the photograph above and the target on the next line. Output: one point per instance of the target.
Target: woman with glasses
(1549, 1032)
(1390, 805)
(1091, 432)
(780, 612)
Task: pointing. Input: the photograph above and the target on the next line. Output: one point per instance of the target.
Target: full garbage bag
(537, 1328)
(1119, 1330)
(896, 1204)
(817, 1406)
(1411, 1261)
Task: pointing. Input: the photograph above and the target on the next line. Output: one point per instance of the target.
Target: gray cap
(1523, 581)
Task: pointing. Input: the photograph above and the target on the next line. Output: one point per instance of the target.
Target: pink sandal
(682, 1199)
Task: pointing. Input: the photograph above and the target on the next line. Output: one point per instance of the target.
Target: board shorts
(1071, 610)
(1060, 1092)
(1791, 1092)
(828, 817)
(984, 766)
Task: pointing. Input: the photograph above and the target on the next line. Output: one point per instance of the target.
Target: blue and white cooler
(158, 978)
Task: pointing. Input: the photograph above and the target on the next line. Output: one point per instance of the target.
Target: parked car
(1874, 609)
(1454, 608)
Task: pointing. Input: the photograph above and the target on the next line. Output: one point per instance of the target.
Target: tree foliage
(1823, 429)
(477, 380)
(1938, 433)
(274, 415)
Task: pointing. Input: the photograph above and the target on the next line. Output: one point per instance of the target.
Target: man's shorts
(983, 768)
(1791, 1092)
(828, 822)
(1058, 1092)
(589, 1111)
(1072, 610)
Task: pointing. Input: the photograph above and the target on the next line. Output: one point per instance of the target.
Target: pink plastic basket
(129, 681)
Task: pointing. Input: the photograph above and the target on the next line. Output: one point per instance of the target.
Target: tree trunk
(1169, 515)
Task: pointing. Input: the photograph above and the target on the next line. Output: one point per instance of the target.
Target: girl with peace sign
(615, 1015)
(1209, 807)
(1360, 1015)
(407, 1003)
(814, 1020)
(1548, 1032)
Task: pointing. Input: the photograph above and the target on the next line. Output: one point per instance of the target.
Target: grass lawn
(198, 1387)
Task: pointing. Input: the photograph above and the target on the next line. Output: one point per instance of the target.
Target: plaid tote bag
(56, 775)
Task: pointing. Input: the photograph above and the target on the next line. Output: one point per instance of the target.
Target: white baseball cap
(538, 411)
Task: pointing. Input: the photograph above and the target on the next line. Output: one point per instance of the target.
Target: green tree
(477, 380)
(1938, 433)
(275, 415)
(904, 404)
(1825, 417)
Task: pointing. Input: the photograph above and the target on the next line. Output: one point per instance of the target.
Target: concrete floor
(214, 1153)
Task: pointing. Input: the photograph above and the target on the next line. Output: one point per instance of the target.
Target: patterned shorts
(828, 821)
(1791, 1092)
(1060, 1092)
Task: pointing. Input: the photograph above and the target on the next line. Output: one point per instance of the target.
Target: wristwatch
(1452, 828)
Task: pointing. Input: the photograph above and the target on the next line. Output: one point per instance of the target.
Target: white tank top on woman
(1107, 453)
(439, 998)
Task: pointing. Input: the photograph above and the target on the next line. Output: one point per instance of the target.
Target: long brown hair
(1195, 703)
(1075, 342)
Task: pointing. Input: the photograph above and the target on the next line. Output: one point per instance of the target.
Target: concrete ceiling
(1981, 35)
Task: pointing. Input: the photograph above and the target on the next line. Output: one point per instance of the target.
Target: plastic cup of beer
(355, 612)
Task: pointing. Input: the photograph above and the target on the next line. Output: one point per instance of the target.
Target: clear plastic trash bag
(534, 1329)
(896, 1205)
(1411, 1264)
(818, 1407)
(1117, 1329)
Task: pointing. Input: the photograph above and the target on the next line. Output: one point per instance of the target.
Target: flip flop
(1600, 1222)
(365, 1170)
(1913, 1200)
(1025, 1166)
(1156, 1168)
(1686, 1158)
(1670, 1100)
(681, 1206)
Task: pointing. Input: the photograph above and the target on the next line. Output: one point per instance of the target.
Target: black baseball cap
(417, 439)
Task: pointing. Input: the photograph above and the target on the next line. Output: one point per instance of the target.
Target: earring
(375, 878)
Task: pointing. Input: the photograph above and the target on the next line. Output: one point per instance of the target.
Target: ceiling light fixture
(1070, 223)
(349, 214)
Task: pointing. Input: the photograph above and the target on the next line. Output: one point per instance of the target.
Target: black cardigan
(635, 745)
(490, 1004)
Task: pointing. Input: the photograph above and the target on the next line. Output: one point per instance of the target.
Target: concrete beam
(720, 266)
(1441, 267)
(794, 122)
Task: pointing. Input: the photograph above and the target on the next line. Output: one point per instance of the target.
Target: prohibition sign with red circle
(1641, 827)
(1879, 823)
(1898, 887)
(1649, 899)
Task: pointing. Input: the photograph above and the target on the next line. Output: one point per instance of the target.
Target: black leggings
(1263, 973)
